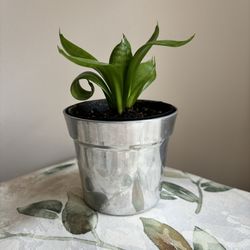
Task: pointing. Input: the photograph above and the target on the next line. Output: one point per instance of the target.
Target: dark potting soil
(99, 110)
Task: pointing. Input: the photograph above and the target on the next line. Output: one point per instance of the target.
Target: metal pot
(120, 162)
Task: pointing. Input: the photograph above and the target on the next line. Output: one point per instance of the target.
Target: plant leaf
(204, 241)
(211, 186)
(86, 62)
(121, 54)
(179, 191)
(145, 75)
(77, 217)
(164, 236)
(73, 49)
(81, 94)
(137, 196)
(112, 74)
(135, 62)
(169, 43)
(44, 209)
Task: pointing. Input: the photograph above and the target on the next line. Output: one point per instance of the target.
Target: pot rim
(66, 114)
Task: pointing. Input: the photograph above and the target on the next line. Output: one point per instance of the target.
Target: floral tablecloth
(44, 210)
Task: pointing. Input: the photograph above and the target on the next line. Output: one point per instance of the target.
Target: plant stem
(102, 243)
(45, 237)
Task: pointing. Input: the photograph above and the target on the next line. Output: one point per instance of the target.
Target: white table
(193, 213)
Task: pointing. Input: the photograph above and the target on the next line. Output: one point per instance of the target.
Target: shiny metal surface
(120, 163)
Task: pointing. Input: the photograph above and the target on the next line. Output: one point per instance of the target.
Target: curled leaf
(47, 209)
(77, 217)
(164, 236)
(80, 93)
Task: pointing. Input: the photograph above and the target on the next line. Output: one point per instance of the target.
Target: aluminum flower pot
(120, 162)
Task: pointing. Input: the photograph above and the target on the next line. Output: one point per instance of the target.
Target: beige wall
(208, 80)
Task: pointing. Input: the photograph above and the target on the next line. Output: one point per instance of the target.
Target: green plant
(124, 78)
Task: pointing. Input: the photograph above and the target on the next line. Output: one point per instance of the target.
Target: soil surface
(99, 110)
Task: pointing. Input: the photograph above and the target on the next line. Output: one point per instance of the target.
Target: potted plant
(120, 141)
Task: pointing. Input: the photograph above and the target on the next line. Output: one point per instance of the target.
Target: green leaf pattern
(169, 190)
(211, 186)
(47, 209)
(164, 236)
(179, 191)
(77, 217)
(204, 241)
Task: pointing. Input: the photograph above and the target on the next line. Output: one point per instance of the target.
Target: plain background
(208, 80)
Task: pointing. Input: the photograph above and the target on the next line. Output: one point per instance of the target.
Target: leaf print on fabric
(179, 191)
(47, 209)
(58, 168)
(77, 217)
(167, 196)
(205, 241)
(164, 236)
(137, 196)
(211, 186)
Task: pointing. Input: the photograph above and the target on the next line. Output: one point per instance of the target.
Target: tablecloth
(45, 210)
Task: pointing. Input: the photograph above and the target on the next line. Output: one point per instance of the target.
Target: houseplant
(120, 142)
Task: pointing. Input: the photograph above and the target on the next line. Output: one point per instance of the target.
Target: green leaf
(137, 196)
(86, 62)
(81, 94)
(164, 236)
(214, 187)
(204, 241)
(166, 196)
(73, 49)
(121, 54)
(179, 191)
(135, 62)
(112, 74)
(144, 76)
(44, 209)
(77, 217)
(169, 43)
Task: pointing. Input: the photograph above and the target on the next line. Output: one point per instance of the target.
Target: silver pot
(120, 162)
